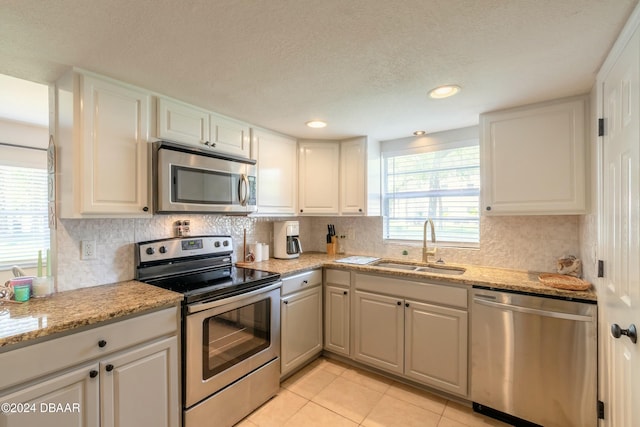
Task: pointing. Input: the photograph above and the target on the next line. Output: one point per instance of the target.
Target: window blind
(442, 184)
(24, 225)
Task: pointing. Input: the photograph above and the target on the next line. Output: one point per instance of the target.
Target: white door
(620, 233)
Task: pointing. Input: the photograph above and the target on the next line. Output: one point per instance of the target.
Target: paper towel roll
(265, 252)
(256, 250)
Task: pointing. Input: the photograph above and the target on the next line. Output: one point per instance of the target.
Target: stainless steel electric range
(230, 325)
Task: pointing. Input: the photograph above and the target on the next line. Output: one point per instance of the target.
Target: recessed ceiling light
(316, 124)
(419, 132)
(444, 91)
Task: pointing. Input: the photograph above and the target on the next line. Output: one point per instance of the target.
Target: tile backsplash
(518, 242)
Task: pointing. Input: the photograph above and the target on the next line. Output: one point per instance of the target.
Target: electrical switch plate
(88, 249)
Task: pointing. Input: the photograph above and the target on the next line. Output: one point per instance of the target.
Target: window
(440, 181)
(24, 226)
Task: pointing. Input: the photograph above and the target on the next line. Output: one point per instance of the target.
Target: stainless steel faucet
(426, 253)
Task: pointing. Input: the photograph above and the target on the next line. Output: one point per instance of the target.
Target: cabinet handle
(102, 343)
(145, 209)
(109, 367)
(93, 373)
(286, 302)
(304, 282)
(399, 302)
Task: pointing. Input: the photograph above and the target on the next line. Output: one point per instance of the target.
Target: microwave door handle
(243, 190)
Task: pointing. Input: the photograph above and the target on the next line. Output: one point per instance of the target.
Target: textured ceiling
(365, 66)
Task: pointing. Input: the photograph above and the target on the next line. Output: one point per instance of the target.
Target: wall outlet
(88, 249)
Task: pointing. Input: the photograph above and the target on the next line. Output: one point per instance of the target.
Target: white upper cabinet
(182, 122)
(319, 177)
(187, 124)
(229, 136)
(102, 127)
(339, 177)
(353, 176)
(533, 159)
(277, 161)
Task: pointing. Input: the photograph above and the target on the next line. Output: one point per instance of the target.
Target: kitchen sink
(422, 268)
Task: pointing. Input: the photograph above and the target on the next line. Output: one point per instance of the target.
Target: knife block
(331, 247)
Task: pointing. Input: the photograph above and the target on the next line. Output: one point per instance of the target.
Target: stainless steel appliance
(286, 239)
(189, 179)
(230, 326)
(534, 358)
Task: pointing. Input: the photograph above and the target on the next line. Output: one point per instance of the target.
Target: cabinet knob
(359, 209)
(488, 208)
(286, 302)
(145, 209)
(93, 373)
(399, 302)
(406, 304)
(301, 210)
(109, 367)
(102, 343)
(344, 293)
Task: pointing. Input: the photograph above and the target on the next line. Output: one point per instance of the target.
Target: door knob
(632, 333)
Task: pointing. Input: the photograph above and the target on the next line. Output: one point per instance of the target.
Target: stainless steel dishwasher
(534, 358)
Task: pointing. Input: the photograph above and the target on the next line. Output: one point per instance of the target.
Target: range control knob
(163, 250)
(150, 251)
(225, 243)
(216, 244)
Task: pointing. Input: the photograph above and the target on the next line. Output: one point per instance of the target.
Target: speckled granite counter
(64, 311)
(498, 278)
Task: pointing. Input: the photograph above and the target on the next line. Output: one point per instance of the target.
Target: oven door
(228, 339)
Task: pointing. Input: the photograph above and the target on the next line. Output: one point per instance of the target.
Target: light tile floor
(330, 393)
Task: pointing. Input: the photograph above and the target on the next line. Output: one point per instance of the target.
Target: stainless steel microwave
(189, 179)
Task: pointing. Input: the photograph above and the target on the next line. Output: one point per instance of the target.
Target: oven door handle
(195, 308)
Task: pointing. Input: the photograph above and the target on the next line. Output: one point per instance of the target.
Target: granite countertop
(64, 311)
(491, 277)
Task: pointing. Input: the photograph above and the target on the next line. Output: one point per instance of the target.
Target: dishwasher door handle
(545, 313)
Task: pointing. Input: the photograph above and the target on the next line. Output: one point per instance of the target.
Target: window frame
(12, 155)
(409, 146)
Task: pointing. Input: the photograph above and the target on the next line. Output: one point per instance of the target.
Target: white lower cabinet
(436, 346)
(414, 329)
(123, 374)
(379, 335)
(68, 400)
(337, 311)
(139, 387)
(301, 320)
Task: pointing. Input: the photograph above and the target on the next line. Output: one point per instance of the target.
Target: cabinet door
(277, 173)
(229, 136)
(68, 400)
(301, 328)
(353, 173)
(379, 331)
(182, 123)
(114, 149)
(336, 319)
(533, 159)
(140, 387)
(436, 346)
(318, 177)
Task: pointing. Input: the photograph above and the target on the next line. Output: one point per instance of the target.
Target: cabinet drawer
(421, 291)
(301, 281)
(338, 277)
(37, 360)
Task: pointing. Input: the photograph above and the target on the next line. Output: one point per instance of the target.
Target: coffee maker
(286, 240)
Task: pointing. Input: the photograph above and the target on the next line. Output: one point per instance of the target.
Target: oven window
(235, 335)
(190, 185)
